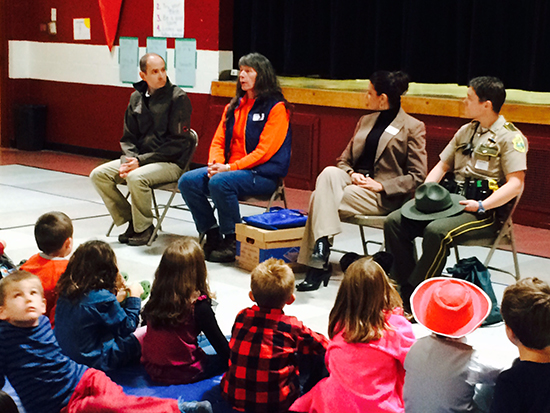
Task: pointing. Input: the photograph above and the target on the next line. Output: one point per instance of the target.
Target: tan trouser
(105, 179)
(334, 197)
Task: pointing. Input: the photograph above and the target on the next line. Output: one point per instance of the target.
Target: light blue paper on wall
(158, 45)
(128, 59)
(186, 62)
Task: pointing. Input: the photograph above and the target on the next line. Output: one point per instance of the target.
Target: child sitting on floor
(91, 326)
(370, 338)
(179, 309)
(441, 369)
(526, 312)
(53, 233)
(263, 367)
(44, 378)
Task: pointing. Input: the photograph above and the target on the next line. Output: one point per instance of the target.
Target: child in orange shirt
(53, 232)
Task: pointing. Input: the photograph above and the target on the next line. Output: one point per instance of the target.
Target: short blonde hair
(272, 283)
(16, 277)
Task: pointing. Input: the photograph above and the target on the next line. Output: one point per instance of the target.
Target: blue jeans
(225, 189)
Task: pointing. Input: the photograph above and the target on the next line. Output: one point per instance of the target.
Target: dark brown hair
(365, 296)
(92, 267)
(489, 88)
(179, 276)
(266, 85)
(51, 231)
(526, 311)
(392, 84)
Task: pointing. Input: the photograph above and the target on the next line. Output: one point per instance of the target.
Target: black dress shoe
(126, 235)
(321, 252)
(314, 278)
(141, 238)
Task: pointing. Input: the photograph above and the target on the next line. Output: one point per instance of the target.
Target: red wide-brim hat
(449, 306)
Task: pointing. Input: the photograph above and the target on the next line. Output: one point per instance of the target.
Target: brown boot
(141, 238)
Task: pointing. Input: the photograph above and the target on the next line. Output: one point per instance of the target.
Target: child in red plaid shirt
(265, 345)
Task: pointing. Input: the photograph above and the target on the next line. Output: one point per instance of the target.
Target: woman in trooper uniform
(488, 157)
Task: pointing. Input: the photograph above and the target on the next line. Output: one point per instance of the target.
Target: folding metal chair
(167, 186)
(278, 194)
(372, 221)
(505, 236)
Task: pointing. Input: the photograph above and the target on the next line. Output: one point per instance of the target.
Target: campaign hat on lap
(432, 201)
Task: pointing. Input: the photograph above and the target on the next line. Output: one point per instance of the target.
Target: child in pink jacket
(370, 338)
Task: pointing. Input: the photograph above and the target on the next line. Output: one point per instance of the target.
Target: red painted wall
(202, 21)
(90, 116)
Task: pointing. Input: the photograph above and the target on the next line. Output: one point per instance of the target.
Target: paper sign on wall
(168, 18)
(157, 46)
(128, 59)
(186, 62)
(81, 29)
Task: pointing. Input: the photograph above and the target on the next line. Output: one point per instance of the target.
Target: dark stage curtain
(435, 41)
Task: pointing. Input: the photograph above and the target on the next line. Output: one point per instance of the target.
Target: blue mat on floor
(136, 382)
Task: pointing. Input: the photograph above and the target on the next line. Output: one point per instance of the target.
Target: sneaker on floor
(141, 238)
(225, 252)
(126, 235)
(195, 407)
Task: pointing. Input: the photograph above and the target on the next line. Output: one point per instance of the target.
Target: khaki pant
(105, 179)
(334, 197)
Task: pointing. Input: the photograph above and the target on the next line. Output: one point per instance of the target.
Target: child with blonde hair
(179, 309)
(90, 324)
(266, 345)
(370, 338)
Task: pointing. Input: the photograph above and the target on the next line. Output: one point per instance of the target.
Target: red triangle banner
(110, 13)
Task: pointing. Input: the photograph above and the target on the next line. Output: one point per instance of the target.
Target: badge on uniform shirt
(519, 143)
(257, 117)
(486, 150)
(392, 130)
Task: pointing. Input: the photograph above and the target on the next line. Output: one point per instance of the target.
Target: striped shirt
(31, 360)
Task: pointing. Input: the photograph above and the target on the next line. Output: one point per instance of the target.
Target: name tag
(392, 130)
(257, 117)
(482, 165)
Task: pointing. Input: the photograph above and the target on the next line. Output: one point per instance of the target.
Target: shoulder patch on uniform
(519, 143)
(510, 126)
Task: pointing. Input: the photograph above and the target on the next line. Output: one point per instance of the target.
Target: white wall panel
(95, 65)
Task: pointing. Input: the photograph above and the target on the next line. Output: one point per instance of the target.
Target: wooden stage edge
(423, 105)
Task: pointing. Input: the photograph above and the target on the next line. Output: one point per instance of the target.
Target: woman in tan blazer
(380, 169)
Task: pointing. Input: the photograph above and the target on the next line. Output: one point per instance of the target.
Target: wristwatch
(480, 209)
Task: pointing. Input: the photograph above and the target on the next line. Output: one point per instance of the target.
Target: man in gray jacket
(155, 148)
